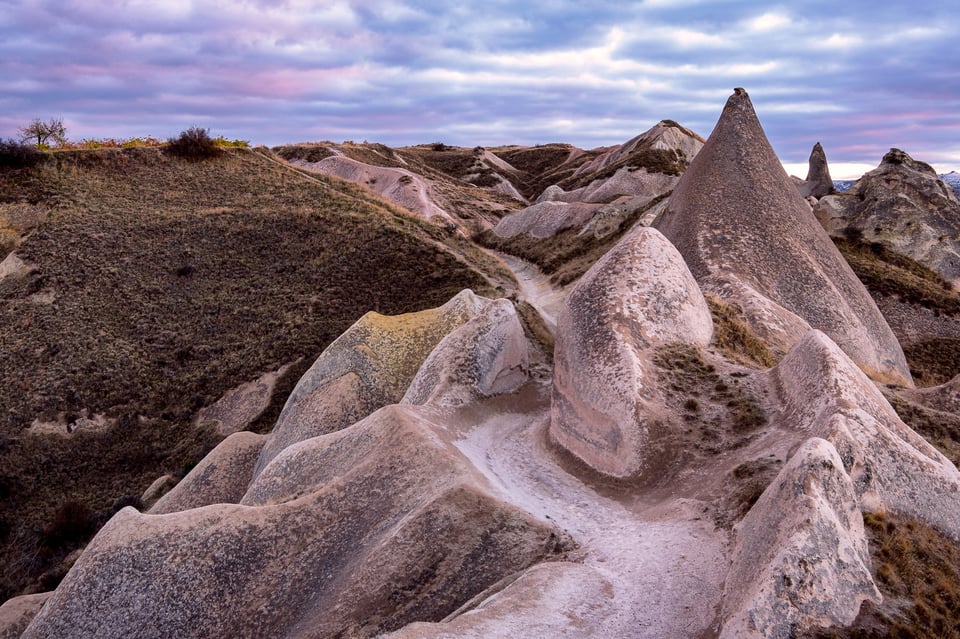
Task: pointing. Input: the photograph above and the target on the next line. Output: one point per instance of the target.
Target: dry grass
(733, 337)
(933, 361)
(887, 273)
(917, 570)
(937, 427)
(173, 282)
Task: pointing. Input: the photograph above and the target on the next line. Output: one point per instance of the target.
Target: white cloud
(768, 22)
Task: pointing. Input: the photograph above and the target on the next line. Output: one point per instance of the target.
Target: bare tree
(41, 131)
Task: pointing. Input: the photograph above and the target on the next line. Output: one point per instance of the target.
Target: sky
(860, 76)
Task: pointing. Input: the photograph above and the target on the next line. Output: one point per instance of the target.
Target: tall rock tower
(748, 235)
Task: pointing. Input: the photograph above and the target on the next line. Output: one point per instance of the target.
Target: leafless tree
(41, 131)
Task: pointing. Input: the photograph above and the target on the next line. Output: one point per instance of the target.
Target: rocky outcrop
(556, 599)
(892, 467)
(818, 182)
(241, 406)
(801, 559)
(617, 183)
(606, 407)
(736, 214)
(349, 534)
(408, 189)
(369, 366)
(905, 205)
(487, 356)
(220, 478)
(17, 613)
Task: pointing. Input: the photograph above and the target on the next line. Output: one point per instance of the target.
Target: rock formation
(905, 205)
(778, 583)
(350, 533)
(431, 477)
(735, 215)
(369, 366)
(818, 182)
(607, 409)
(221, 477)
(487, 356)
(615, 184)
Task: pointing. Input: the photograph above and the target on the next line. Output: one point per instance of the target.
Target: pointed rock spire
(818, 182)
(737, 217)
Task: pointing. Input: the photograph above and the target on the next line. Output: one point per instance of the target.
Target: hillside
(154, 286)
(435, 391)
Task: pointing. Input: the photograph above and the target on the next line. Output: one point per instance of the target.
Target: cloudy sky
(859, 75)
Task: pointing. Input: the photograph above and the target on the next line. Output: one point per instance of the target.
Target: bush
(72, 525)
(16, 155)
(194, 144)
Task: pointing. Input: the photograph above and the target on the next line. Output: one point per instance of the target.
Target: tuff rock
(735, 214)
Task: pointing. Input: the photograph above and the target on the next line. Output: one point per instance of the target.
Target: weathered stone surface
(620, 188)
(905, 205)
(818, 182)
(486, 356)
(369, 366)
(160, 486)
(241, 406)
(665, 135)
(735, 212)
(801, 558)
(347, 534)
(220, 478)
(891, 466)
(407, 189)
(18, 612)
(556, 599)
(606, 408)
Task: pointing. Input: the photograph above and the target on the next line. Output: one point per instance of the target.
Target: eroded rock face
(818, 182)
(736, 213)
(407, 189)
(369, 366)
(891, 466)
(801, 558)
(623, 184)
(606, 408)
(220, 478)
(556, 599)
(905, 205)
(487, 356)
(348, 534)
(18, 612)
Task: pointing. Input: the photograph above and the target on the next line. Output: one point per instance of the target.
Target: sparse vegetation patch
(917, 569)
(734, 337)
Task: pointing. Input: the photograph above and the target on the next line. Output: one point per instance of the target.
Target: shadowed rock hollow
(739, 221)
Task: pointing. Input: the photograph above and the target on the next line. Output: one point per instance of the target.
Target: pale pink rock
(487, 356)
(735, 213)
(606, 408)
(220, 478)
(349, 534)
(801, 559)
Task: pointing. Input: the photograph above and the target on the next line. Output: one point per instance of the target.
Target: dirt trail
(663, 561)
(535, 287)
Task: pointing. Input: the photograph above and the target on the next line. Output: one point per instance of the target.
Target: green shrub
(194, 144)
(15, 155)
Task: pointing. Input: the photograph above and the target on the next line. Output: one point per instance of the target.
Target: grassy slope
(887, 273)
(173, 282)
